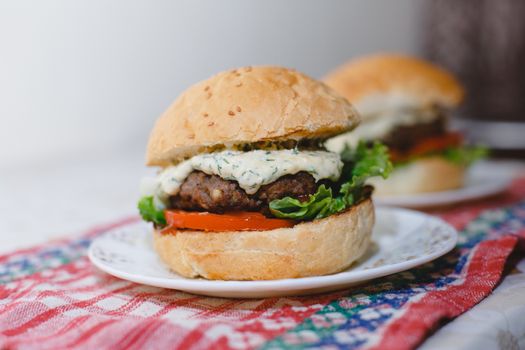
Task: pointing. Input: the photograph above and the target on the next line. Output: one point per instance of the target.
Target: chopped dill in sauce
(251, 169)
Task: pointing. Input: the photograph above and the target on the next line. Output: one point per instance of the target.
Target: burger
(404, 102)
(246, 189)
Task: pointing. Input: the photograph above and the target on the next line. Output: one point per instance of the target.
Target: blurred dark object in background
(483, 43)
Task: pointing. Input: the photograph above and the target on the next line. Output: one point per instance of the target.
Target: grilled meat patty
(214, 194)
(404, 137)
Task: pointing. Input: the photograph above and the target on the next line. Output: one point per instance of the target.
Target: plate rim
(340, 278)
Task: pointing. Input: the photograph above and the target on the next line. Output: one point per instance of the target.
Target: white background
(78, 78)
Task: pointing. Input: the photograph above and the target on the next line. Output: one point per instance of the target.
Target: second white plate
(402, 239)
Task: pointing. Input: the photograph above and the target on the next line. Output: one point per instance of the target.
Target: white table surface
(55, 199)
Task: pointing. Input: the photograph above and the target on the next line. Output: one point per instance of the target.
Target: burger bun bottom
(319, 247)
(429, 174)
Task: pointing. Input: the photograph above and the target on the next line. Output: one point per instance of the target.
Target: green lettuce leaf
(360, 164)
(365, 162)
(149, 212)
(318, 205)
(465, 155)
(461, 155)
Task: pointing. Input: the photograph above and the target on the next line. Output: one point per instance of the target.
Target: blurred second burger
(404, 103)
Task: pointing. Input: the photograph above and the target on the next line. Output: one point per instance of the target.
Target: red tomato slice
(234, 221)
(431, 144)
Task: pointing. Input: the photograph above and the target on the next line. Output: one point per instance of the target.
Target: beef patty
(404, 137)
(212, 193)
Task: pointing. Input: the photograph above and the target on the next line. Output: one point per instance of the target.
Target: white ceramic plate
(402, 239)
(483, 180)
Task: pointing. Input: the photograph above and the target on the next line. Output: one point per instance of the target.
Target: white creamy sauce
(251, 169)
(377, 126)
